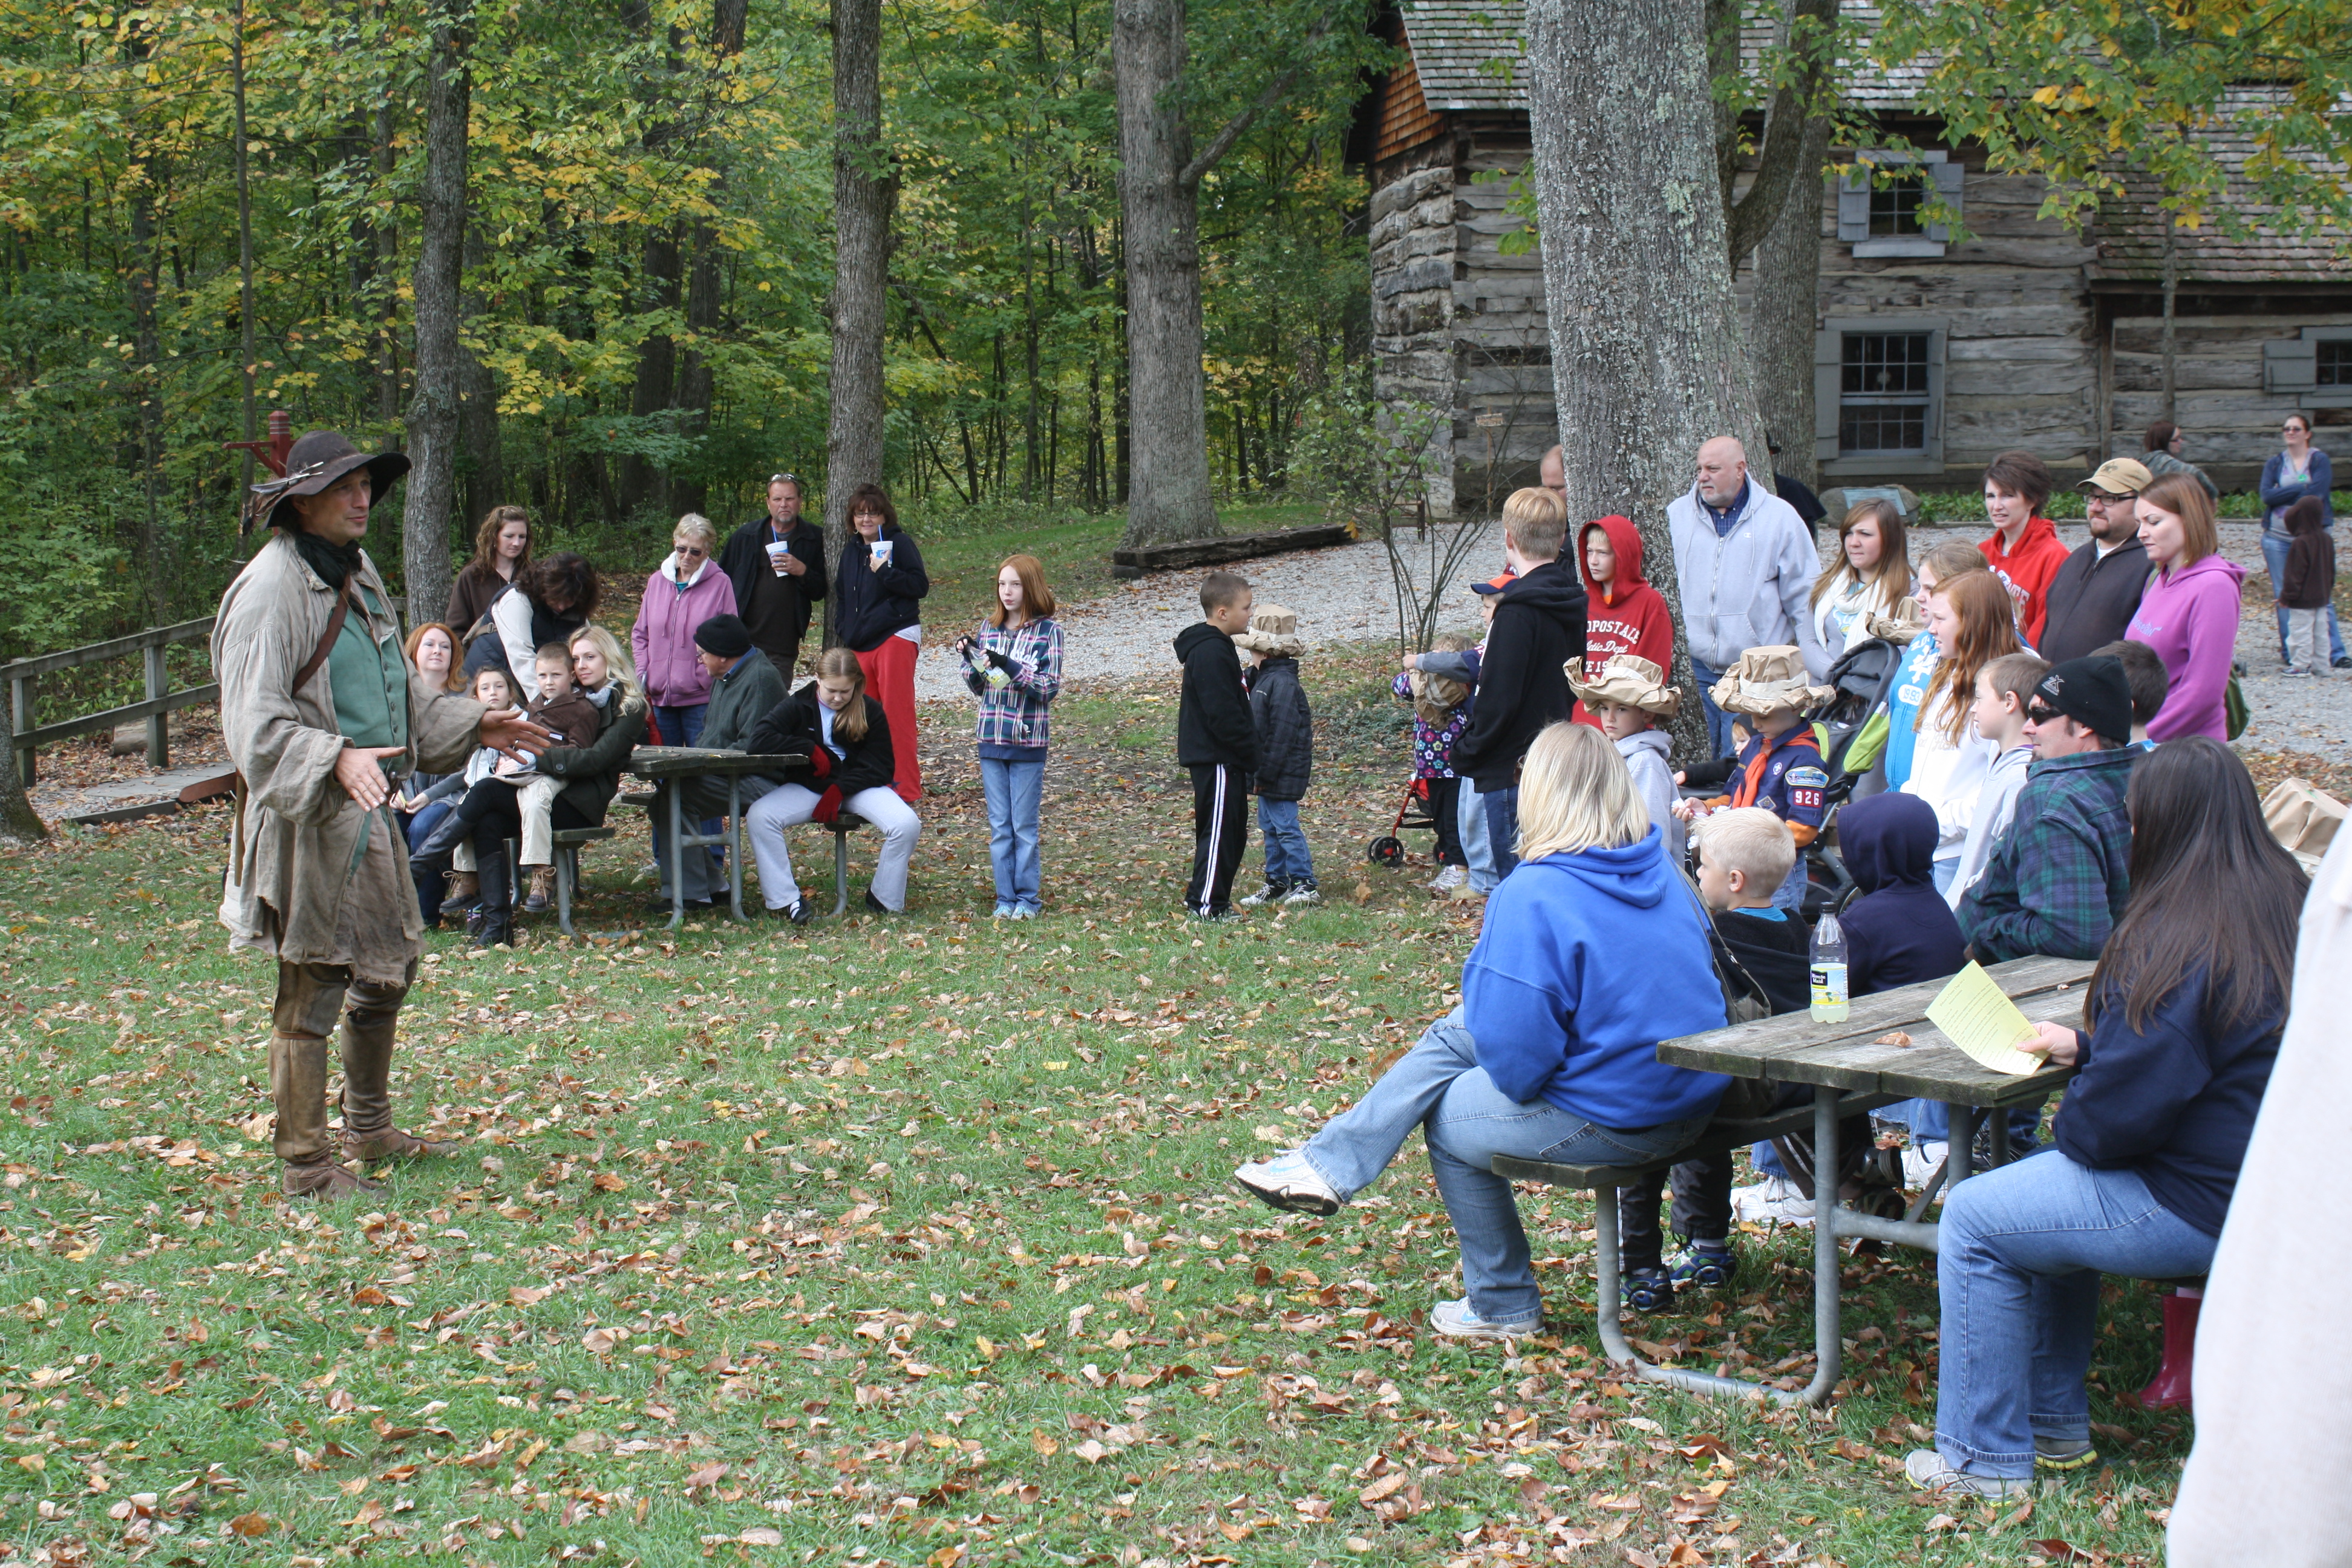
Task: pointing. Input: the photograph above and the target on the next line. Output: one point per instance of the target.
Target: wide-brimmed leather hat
(1767, 679)
(1273, 633)
(317, 463)
(1628, 678)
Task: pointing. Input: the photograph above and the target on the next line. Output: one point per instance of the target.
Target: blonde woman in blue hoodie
(1013, 665)
(1593, 952)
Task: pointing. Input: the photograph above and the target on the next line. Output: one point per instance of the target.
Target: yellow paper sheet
(1978, 1018)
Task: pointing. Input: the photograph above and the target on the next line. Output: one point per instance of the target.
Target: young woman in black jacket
(878, 587)
(847, 738)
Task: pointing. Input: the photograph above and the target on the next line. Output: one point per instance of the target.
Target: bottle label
(1828, 985)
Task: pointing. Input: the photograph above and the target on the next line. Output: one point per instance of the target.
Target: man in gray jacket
(1745, 567)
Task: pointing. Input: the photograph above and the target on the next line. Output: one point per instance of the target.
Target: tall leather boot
(298, 1084)
(2169, 1387)
(497, 907)
(369, 1133)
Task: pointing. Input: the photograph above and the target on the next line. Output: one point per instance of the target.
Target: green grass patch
(898, 1242)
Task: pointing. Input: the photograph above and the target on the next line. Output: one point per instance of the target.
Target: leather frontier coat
(300, 886)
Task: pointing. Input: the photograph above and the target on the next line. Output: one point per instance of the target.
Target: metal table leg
(1827, 1350)
(567, 873)
(1999, 1127)
(677, 861)
(1960, 1156)
(840, 872)
(735, 845)
(1609, 1306)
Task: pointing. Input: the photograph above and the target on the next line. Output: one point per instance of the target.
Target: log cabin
(1936, 349)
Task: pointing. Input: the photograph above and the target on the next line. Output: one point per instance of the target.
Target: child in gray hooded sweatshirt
(1627, 700)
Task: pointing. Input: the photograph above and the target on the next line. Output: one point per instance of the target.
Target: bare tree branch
(1238, 126)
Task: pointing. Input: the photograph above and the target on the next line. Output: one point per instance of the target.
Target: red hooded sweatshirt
(2028, 569)
(1628, 615)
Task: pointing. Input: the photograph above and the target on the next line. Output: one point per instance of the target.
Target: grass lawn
(904, 1241)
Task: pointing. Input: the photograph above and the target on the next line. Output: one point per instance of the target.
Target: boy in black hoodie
(1743, 856)
(1216, 740)
(1536, 635)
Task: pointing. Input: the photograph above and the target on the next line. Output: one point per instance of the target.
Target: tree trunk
(863, 192)
(1787, 312)
(433, 412)
(247, 350)
(1168, 495)
(19, 823)
(696, 386)
(656, 384)
(486, 478)
(1648, 358)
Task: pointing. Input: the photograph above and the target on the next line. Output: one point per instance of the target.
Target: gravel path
(1344, 595)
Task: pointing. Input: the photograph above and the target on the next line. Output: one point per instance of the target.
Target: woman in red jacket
(1625, 615)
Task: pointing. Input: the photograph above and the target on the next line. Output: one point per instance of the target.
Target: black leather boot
(497, 907)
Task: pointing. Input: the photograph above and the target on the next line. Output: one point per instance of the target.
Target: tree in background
(431, 429)
(863, 186)
(1648, 356)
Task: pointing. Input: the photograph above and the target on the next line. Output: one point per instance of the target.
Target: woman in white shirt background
(1871, 576)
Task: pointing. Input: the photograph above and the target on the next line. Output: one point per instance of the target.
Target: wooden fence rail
(160, 699)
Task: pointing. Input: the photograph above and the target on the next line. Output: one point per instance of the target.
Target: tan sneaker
(542, 889)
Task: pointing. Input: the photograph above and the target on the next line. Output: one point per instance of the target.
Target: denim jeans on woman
(1438, 1086)
(1014, 790)
(2019, 1263)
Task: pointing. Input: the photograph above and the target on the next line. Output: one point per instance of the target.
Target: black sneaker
(876, 905)
(659, 904)
(1217, 917)
(2343, 663)
(1646, 1290)
(797, 911)
(1272, 893)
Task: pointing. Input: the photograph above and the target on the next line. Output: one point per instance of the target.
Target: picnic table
(1852, 1067)
(668, 766)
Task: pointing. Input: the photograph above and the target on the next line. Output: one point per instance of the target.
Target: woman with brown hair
(1871, 576)
(547, 600)
(501, 549)
(1972, 617)
(2189, 614)
(848, 739)
(878, 591)
(1015, 667)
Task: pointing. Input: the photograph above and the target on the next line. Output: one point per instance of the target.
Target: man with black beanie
(2056, 882)
(744, 685)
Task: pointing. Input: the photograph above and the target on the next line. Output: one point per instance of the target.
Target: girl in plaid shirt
(1015, 667)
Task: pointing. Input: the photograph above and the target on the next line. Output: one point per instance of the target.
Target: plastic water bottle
(1829, 971)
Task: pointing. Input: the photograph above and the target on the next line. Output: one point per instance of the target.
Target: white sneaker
(1448, 877)
(1920, 1163)
(1303, 895)
(1457, 1320)
(1265, 895)
(1928, 1472)
(1287, 1182)
(1775, 1200)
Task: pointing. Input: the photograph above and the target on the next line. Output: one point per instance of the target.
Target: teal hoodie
(1585, 963)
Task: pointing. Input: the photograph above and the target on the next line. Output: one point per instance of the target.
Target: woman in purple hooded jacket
(2190, 613)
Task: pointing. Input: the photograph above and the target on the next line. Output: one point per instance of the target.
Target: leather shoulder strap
(326, 639)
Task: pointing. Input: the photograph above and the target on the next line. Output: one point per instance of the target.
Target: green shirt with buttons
(370, 678)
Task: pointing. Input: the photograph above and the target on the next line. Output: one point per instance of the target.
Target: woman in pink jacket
(687, 591)
(2190, 613)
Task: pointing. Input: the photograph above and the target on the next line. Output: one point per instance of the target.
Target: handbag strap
(326, 639)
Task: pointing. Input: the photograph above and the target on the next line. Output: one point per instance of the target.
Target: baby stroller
(1851, 726)
(1388, 850)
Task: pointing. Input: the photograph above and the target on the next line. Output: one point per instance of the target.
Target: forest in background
(647, 257)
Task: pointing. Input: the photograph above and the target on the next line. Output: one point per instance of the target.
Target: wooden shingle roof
(2129, 230)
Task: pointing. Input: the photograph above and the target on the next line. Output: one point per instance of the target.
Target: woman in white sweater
(1973, 620)
(1871, 575)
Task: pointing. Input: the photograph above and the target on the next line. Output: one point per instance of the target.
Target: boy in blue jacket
(1286, 752)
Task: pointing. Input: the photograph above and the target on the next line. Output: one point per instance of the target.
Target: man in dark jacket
(776, 563)
(2093, 597)
(743, 687)
(1285, 753)
(1216, 740)
(1539, 628)
(2058, 879)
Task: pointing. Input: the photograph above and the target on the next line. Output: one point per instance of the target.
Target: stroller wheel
(1388, 852)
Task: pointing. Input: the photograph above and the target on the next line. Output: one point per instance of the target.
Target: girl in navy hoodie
(1591, 952)
(2184, 1016)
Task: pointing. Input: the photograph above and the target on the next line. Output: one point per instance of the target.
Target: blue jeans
(1930, 1121)
(2022, 1251)
(2274, 549)
(1438, 1086)
(1014, 790)
(1718, 723)
(1470, 814)
(1790, 894)
(1287, 863)
(1502, 828)
(430, 886)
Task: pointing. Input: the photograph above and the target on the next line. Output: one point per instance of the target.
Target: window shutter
(1949, 177)
(2290, 365)
(1854, 206)
(1829, 385)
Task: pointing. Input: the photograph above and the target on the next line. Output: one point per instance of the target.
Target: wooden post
(20, 711)
(159, 725)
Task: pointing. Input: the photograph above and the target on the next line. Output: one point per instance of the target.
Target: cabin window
(1884, 393)
(2332, 362)
(1895, 206)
